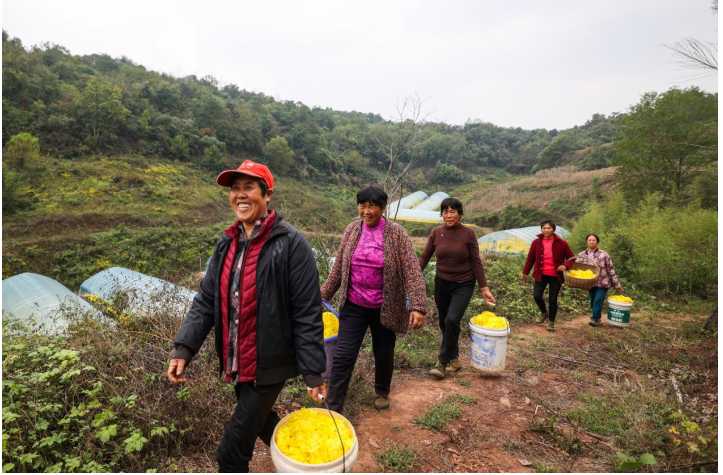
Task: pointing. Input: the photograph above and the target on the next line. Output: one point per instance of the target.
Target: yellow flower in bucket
(310, 436)
(331, 325)
(581, 274)
(620, 299)
(490, 321)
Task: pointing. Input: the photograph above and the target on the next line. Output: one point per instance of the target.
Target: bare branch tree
(398, 143)
(698, 54)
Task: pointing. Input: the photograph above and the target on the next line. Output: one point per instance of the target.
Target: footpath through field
(517, 422)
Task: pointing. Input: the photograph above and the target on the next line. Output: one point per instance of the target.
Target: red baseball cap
(250, 168)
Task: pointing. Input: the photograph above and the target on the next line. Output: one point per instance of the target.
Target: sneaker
(550, 326)
(438, 372)
(453, 366)
(381, 403)
(594, 323)
(542, 318)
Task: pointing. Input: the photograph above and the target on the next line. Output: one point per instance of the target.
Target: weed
(465, 383)
(544, 468)
(397, 459)
(437, 417)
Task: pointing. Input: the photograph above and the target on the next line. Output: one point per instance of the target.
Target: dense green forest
(95, 104)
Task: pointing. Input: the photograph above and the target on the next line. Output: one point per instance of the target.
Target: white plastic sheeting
(514, 241)
(418, 207)
(145, 294)
(45, 304)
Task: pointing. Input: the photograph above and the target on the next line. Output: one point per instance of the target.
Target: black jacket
(289, 329)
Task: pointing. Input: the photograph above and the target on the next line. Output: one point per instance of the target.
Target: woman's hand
(619, 288)
(318, 394)
(524, 277)
(416, 319)
(487, 296)
(562, 268)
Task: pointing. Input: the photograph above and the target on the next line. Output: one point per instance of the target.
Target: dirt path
(492, 435)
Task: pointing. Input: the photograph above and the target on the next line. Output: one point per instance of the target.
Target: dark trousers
(253, 417)
(539, 290)
(452, 299)
(353, 323)
(597, 297)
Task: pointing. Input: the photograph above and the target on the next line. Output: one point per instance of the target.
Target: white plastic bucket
(619, 313)
(489, 349)
(284, 464)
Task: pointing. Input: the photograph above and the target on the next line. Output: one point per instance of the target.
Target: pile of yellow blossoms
(620, 299)
(309, 436)
(581, 274)
(331, 325)
(490, 321)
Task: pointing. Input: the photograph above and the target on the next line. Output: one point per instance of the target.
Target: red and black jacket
(561, 254)
(286, 334)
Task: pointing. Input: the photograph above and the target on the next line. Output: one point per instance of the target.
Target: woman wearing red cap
(261, 294)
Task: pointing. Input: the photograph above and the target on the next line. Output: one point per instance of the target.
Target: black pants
(452, 299)
(353, 323)
(252, 417)
(555, 285)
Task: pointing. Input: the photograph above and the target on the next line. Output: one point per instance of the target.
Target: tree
(279, 155)
(697, 54)
(665, 140)
(396, 142)
(101, 109)
(22, 151)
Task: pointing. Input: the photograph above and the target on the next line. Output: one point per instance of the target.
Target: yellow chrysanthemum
(581, 274)
(621, 298)
(490, 321)
(331, 324)
(310, 436)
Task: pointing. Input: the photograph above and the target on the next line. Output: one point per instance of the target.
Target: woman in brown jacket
(380, 286)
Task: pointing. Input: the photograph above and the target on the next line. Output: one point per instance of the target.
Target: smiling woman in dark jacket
(261, 293)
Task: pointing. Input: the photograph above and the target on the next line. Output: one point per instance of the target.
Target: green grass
(418, 348)
(439, 415)
(397, 459)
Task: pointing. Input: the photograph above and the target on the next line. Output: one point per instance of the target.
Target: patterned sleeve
(414, 283)
(333, 280)
(611, 271)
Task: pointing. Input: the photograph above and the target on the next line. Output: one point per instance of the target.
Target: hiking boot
(542, 318)
(594, 323)
(550, 326)
(381, 403)
(439, 371)
(453, 366)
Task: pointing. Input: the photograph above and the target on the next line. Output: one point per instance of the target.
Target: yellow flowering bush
(581, 274)
(331, 325)
(620, 299)
(490, 321)
(310, 436)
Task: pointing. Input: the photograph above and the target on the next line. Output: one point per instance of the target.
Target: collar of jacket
(277, 228)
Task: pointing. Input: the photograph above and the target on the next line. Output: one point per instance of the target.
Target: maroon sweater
(561, 254)
(457, 252)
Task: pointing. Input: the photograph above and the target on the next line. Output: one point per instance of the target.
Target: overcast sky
(522, 63)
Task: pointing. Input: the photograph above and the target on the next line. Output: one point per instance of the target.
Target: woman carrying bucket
(382, 288)
(605, 280)
(458, 268)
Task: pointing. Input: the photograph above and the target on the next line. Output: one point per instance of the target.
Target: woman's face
(451, 217)
(370, 213)
(591, 242)
(547, 230)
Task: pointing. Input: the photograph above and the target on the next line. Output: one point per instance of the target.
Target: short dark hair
(453, 203)
(547, 221)
(372, 194)
(593, 234)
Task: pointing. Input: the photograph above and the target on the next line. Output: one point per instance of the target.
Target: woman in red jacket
(550, 256)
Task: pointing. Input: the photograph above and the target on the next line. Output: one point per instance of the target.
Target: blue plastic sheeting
(42, 302)
(145, 294)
